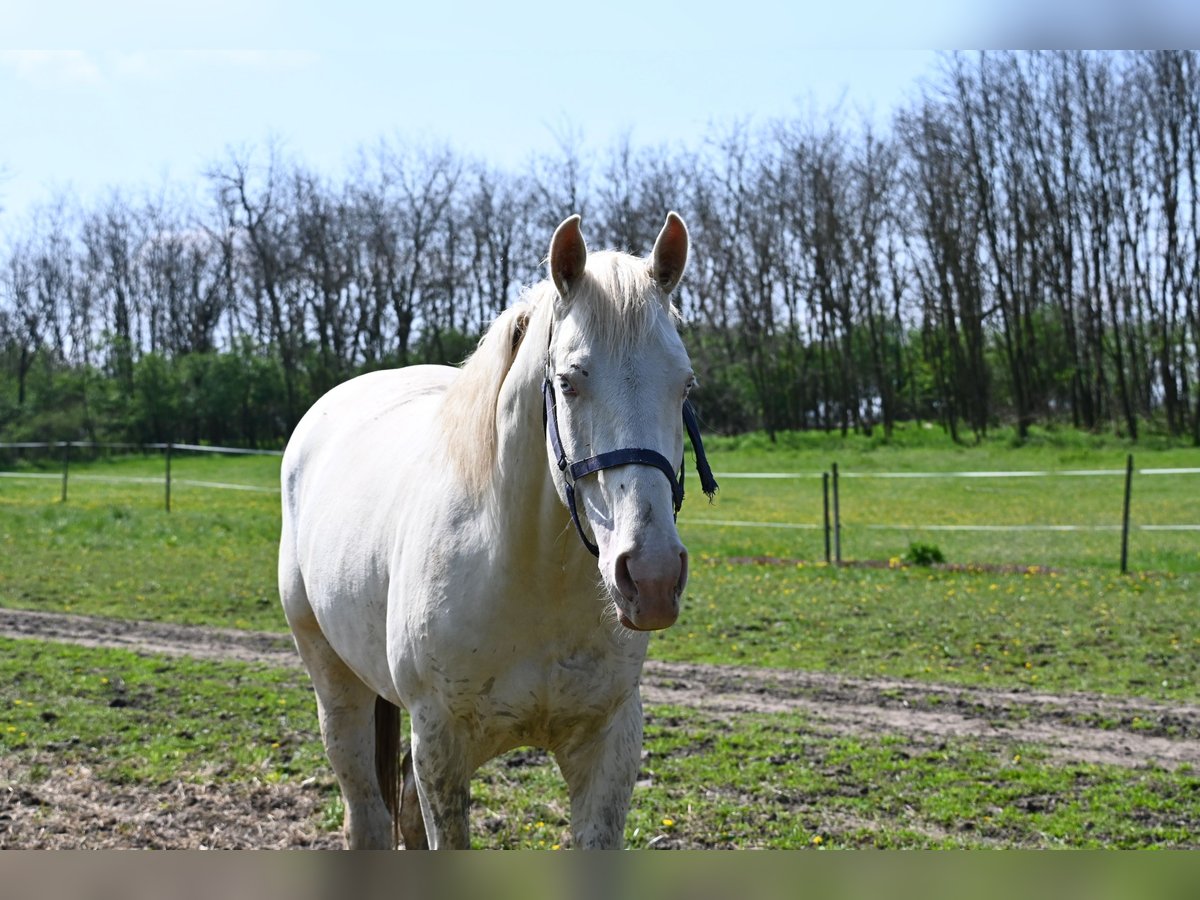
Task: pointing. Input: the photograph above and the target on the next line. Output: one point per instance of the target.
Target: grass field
(1061, 619)
(771, 781)
(883, 515)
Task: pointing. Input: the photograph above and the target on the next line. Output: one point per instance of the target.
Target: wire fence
(168, 449)
(1098, 514)
(782, 515)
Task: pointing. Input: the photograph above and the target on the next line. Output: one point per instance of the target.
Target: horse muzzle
(650, 587)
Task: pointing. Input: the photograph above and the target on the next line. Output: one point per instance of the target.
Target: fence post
(825, 491)
(837, 521)
(66, 445)
(1125, 515)
(168, 480)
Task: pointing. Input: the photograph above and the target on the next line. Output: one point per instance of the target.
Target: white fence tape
(813, 526)
(1048, 473)
(199, 448)
(221, 485)
(141, 479)
(805, 526)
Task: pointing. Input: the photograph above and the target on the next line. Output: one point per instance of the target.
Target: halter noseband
(629, 456)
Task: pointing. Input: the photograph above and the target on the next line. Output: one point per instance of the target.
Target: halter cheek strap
(625, 457)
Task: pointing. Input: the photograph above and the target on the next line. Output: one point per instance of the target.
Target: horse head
(616, 382)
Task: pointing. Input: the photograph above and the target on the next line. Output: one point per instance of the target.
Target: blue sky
(141, 93)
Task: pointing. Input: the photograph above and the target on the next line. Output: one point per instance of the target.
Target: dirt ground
(71, 808)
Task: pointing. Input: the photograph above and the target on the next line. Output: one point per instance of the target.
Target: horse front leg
(442, 776)
(600, 772)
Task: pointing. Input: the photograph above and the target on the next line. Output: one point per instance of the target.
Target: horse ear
(670, 253)
(568, 255)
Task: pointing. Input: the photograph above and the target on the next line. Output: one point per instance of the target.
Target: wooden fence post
(837, 520)
(825, 491)
(168, 480)
(66, 445)
(1125, 515)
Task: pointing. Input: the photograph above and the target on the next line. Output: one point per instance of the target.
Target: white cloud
(81, 68)
(53, 67)
(255, 59)
(153, 64)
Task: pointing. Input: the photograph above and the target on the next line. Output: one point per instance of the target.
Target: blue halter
(626, 457)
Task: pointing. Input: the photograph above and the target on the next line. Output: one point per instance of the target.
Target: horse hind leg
(397, 781)
(346, 709)
(411, 822)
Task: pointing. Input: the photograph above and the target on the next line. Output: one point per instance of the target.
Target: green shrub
(923, 554)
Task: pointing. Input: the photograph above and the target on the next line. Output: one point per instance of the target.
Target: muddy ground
(72, 808)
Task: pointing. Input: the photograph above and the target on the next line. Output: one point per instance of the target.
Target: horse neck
(527, 502)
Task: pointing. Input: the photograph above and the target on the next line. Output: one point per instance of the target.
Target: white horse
(428, 559)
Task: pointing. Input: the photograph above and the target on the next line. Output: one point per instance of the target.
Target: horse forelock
(618, 301)
(619, 306)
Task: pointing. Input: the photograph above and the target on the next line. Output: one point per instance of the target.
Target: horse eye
(687, 388)
(565, 387)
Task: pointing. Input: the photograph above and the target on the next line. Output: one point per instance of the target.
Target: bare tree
(256, 207)
(23, 314)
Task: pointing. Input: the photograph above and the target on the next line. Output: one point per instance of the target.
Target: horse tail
(387, 760)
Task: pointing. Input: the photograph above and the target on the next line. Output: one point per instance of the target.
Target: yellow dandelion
(667, 823)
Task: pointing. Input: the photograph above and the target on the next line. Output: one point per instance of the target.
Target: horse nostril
(683, 571)
(625, 583)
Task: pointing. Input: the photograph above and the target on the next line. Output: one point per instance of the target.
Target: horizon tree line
(1020, 246)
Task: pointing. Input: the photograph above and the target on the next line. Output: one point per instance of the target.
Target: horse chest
(503, 703)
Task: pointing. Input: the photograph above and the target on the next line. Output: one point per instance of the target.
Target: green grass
(925, 446)
(1092, 631)
(759, 781)
(149, 719)
(881, 517)
(771, 781)
(774, 782)
(112, 550)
